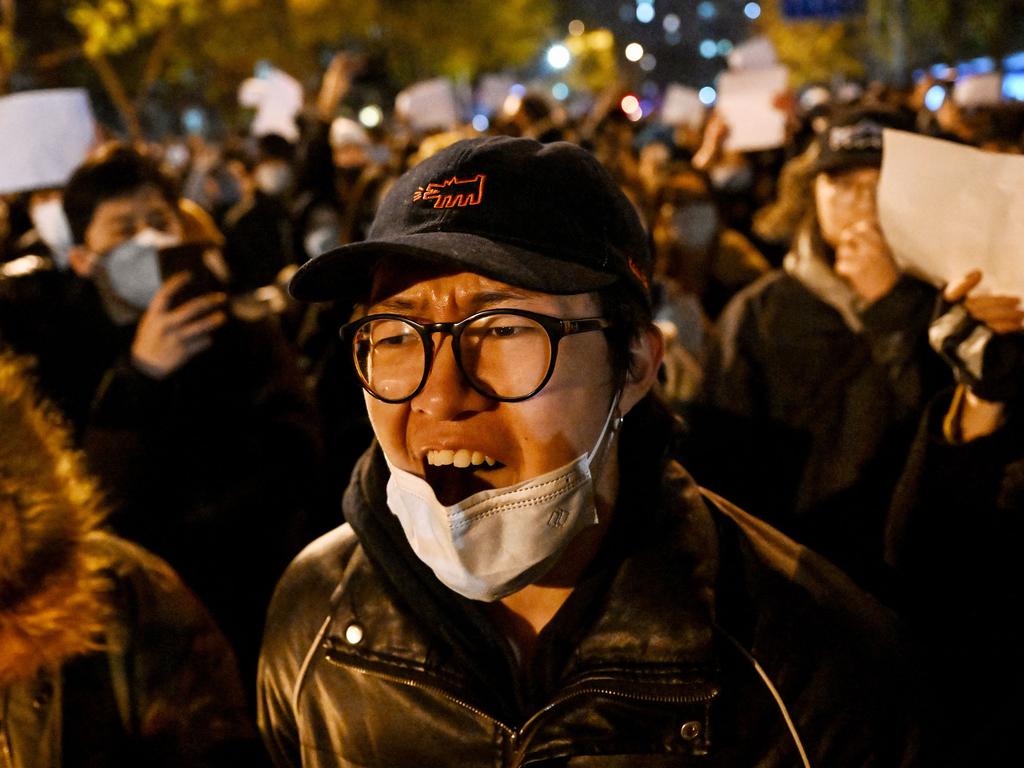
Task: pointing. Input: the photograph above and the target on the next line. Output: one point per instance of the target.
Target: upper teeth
(460, 458)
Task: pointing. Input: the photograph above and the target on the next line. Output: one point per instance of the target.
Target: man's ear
(646, 352)
(82, 260)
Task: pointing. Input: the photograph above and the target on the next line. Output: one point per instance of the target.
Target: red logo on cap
(453, 193)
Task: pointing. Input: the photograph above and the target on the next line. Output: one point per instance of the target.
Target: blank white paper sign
(682, 106)
(44, 136)
(429, 105)
(746, 103)
(947, 209)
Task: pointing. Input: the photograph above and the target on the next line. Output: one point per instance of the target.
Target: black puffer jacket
(369, 661)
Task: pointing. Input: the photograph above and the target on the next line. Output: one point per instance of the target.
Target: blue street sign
(821, 9)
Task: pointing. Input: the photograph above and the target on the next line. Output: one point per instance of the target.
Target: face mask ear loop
(611, 425)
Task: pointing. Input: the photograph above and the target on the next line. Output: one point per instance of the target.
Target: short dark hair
(111, 171)
(631, 315)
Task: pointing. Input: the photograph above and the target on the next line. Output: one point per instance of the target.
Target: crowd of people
(177, 426)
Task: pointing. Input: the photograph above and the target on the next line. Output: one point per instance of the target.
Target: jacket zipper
(696, 698)
(410, 682)
(515, 734)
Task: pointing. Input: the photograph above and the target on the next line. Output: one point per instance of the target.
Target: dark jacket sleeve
(300, 607)
(896, 329)
(172, 670)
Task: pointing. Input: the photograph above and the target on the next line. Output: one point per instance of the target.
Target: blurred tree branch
(7, 45)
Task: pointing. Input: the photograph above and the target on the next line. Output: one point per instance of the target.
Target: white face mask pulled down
(497, 541)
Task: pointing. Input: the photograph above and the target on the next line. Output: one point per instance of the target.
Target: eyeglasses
(505, 354)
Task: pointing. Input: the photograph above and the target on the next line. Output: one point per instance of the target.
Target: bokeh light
(559, 56)
(934, 97)
(634, 51)
(371, 116)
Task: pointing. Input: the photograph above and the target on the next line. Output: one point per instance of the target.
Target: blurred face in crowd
(653, 165)
(845, 198)
(426, 434)
(348, 156)
(119, 219)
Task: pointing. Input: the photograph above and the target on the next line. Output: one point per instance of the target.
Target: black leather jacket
(369, 661)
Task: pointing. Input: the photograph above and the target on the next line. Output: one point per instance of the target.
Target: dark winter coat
(106, 658)
(810, 402)
(953, 539)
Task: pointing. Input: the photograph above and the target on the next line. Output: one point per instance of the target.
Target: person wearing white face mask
(193, 418)
(258, 231)
(38, 291)
(51, 225)
(526, 575)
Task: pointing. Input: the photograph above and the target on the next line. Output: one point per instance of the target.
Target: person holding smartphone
(195, 420)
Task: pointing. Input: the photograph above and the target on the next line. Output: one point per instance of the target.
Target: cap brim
(344, 272)
(841, 162)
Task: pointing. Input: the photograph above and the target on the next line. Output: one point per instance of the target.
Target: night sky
(673, 36)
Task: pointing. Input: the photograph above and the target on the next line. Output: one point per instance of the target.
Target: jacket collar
(809, 265)
(663, 545)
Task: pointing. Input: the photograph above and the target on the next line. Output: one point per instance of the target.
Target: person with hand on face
(955, 526)
(195, 420)
(526, 576)
(818, 372)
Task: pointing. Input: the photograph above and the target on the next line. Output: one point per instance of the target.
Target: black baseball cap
(546, 217)
(853, 138)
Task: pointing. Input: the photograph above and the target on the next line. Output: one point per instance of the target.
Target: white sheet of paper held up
(746, 103)
(947, 209)
(44, 135)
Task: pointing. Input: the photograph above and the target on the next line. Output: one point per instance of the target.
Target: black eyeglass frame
(557, 328)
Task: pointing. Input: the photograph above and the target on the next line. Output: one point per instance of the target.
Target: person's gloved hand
(982, 339)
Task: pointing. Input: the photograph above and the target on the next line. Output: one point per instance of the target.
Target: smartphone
(191, 258)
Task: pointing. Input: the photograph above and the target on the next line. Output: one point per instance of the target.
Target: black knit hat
(547, 217)
(853, 138)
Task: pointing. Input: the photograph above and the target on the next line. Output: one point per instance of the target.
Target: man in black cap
(526, 576)
(818, 371)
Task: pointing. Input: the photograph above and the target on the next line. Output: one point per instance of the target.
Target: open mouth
(457, 474)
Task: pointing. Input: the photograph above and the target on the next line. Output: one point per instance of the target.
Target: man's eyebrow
(396, 304)
(477, 301)
(119, 216)
(492, 298)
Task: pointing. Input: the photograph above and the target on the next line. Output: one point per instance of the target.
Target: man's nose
(447, 393)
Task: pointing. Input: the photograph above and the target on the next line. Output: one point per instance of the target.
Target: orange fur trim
(53, 594)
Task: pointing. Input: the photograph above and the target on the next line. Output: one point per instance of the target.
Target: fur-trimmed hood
(53, 593)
